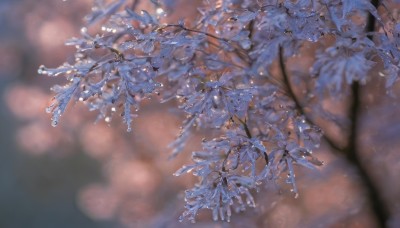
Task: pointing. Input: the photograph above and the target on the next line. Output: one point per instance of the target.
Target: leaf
(134, 16)
(185, 169)
(246, 16)
(61, 99)
(99, 12)
(66, 68)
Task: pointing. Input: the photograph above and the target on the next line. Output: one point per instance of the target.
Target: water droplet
(42, 70)
(83, 30)
(54, 123)
(160, 11)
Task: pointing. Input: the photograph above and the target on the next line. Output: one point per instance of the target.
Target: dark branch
(353, 156)
(352, 151)
(298, 105)
(246, 128)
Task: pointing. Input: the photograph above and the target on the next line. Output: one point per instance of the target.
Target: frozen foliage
(219, 69)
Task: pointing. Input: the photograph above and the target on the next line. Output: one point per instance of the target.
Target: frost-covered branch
(220, 70)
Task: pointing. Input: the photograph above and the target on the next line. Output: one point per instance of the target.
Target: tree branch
(298, 105)
(353, 156)
(352, 151)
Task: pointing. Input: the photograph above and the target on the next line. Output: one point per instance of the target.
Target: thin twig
(195, 31)
(239, 52)
(248, 134)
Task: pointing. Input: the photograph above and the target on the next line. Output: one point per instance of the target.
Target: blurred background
(93, 174)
